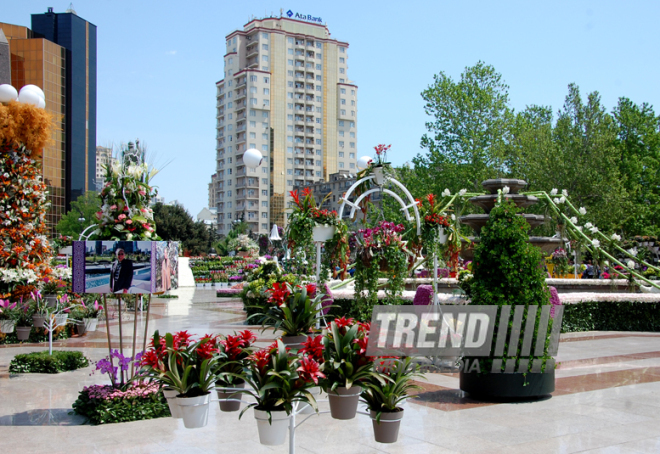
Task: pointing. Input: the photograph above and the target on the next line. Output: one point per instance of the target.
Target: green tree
(174, 223)
(638, 143)
(471, 126)
(86, 206)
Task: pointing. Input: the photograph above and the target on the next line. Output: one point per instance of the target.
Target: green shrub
(128, 407)
(611, 316)
(43, 363)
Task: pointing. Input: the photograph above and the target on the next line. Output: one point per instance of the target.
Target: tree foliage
(174, 223)
(86, 206)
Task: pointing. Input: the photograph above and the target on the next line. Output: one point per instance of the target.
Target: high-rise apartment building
(285, 92)
(103, 159)
(59, 55)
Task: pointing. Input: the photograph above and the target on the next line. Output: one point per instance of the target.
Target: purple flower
(423, 295)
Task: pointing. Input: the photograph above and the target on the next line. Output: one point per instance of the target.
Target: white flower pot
(60, 319)
(379, 175)
(90, 323)
(323, 233)
(273, 433)
(170, 395)
(7, 326)
(443, 235)
(194, 410)
(306, 408)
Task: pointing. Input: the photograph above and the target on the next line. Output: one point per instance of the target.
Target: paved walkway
(607, 401)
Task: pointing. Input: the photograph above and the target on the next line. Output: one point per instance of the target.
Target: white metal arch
(84, 236)
(405, 208)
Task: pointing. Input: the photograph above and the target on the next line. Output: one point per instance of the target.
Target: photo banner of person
(123, 267)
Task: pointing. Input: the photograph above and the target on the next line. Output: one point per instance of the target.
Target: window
(343, 102)
(289, 139)
(265, 47)
(289, 150)
(253, 145)
(229, 193)
(318, 120)
(230, 61)
(264, 136)
(253, 101)
(289, 51)
(341, 70)
(253, 89)
(265, 191)
(264, 58)
(289, 171)
(264, 215)
(266, 102)
(352, 102)
(289, 106)
(352, 113)
(318, 141)
(318, 88)
(253, 113)
(319, 78)
(264, 169)
(229, 83)
(264, 226)
(352, 165)
(318, 67)
(341, 153)
(264, 124)
(341, 123)
(289, 73)
(266, 80)
(342, 91)
(289, 117)
(289, 128)
(253, 135)
(253, 78)
(264, 181)
(289, 95)
(353, 92)
(264, 114)
(342, 60)
(264, 35)
(351, 155)
(290, 84)
(289, 161)
(229, 204)
(319, 99)
(318, 153)
(341, 165)
(229, 128)
(341, 144)
(318, 131)
(289, 62)
(253, 124)
(289, 40)
(342, 112)
(289, 183)
(352, 135)
(229, 95)
(342, 50)
(230, 116)
(341, 81)
(352, 124)
(319, 110)
(352, 144)
(264, 148)
(341, 133)
(267, 92)
(228, 215)
(318, 45)
(318, 163)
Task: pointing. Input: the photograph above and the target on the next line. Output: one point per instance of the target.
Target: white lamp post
(364, 162)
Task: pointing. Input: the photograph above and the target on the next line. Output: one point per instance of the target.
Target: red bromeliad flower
(261, 358)
(208, 348)
(309, 370)
(362, 342)
(364, 327)
(306, 192)
(313, 347)
(181, 339)
(279, 293)
(248, 337)
(150, 358)
(344, 322)
(431, 199)
(295, 196)
(311, 290)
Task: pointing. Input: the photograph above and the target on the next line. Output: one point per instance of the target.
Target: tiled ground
(607, 401)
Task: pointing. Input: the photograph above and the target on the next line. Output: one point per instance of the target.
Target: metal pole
(134, 334)
(107, 328)
(318, 282)
(435, 279)
(292, 430)
(146, 324)
(121, 340)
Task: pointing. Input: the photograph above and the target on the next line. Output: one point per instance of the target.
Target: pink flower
(99, 214)
(121, 217)
(142, 193)
(128, 221)
(113, 207)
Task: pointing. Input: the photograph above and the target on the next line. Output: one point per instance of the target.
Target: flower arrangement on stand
(381, 250)
(125, 212)
(559, 260)
(294, 310)
(346, 365)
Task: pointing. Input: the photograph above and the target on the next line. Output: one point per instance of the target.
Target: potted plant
(294, 310)
(312, 348)
(90, 314)
(23, 321)
(385, 391)
(40, 309)
(52, 287)
(8, 315)
(236, 350)
(345, 365)
(379, 165)
(278, 380)
(507, 271)
(190, 371)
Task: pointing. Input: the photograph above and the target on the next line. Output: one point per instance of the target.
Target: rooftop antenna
(71, 10)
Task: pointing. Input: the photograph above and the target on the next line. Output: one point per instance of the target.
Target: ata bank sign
(307, 17)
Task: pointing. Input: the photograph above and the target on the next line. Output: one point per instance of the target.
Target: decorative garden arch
(405, 208)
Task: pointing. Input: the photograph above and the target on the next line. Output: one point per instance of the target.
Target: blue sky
(158, 63)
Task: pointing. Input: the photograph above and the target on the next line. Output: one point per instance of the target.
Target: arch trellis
(405, 208)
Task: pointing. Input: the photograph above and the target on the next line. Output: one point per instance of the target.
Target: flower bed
(43, 363)
(224, 269)
(103, 404)
(229, 292)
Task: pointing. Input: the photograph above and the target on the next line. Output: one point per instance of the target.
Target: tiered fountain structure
(488, 201)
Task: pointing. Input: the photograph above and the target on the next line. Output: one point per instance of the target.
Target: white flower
(588, 225)
(556, 200)
(462, 192)
(505, 190)
(554, 191)
(579, 227)
(564, 192)
(574, 220)
(633, 252)
(562, 199)
(594, 229)
(616, 237)
(446, 193)
(453, 217)
(631, 264)
(595, 243)
(583, 211)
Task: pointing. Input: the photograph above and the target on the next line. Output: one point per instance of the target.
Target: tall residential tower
(286, 92)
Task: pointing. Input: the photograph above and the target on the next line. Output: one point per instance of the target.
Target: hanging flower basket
(170, 395)
(271, 433)
(379, 175)
(7, 326)
(344, 401)
(387, 429)
(194, 410)
(323, 233)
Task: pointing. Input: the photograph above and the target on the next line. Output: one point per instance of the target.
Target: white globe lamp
(8, 93)
(35, 89)
(29, 97)
(364, 162)
(253, 158)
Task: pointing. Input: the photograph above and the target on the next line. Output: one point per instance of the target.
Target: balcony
(252, 51)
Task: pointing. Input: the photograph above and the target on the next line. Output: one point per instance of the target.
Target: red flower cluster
(234, 345)
(313, 348)
(309, 370)
(435, 218)
(279, 293)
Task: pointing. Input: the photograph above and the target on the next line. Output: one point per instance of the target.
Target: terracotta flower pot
(387, 430)
(344, 401)
(228, 393)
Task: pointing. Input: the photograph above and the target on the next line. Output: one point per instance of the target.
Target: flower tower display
(25, 252)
